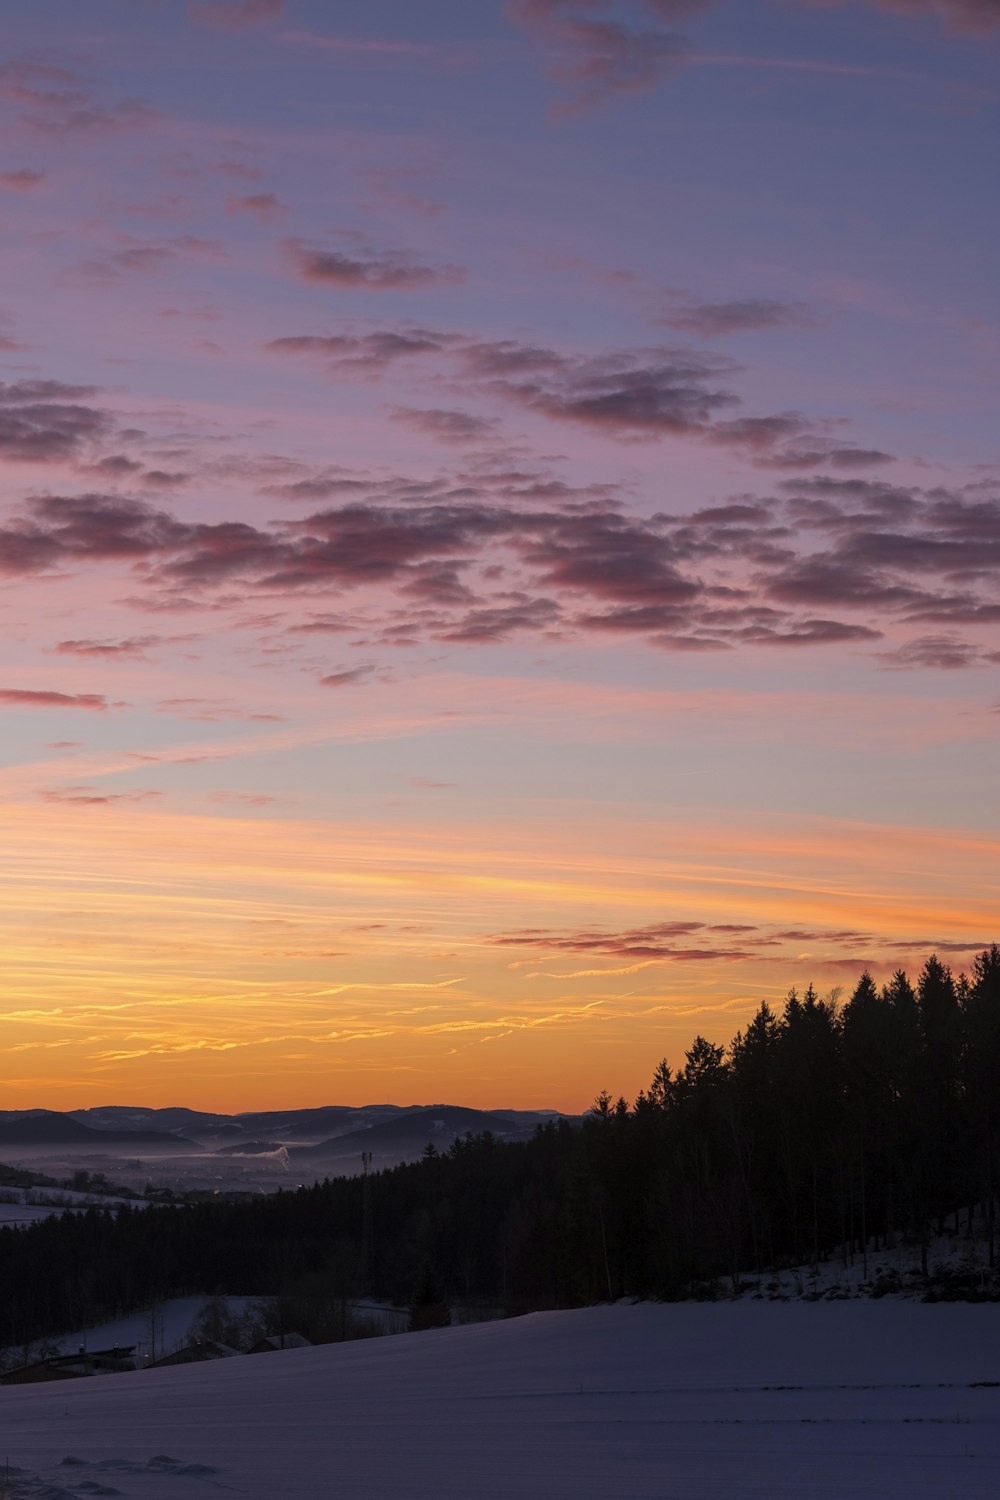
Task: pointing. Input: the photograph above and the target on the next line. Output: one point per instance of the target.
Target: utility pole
(366, 1223)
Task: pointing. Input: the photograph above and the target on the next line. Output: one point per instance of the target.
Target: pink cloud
(146, 256)
(243, 799)
(56, 102)
(34, 698)
(22, 181)
(398, 187)
(133, 649)
(211, 711)
(86, 796)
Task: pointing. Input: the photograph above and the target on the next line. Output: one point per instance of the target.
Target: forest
(834, 1128)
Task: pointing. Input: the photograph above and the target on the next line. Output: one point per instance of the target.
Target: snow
(688, 1401)
(894, 1271)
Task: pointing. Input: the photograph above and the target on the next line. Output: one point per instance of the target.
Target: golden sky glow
(243, 960)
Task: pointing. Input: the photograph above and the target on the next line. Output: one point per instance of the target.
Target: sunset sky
(500, 537)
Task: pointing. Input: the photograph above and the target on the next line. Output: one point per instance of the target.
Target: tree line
(833, 1127)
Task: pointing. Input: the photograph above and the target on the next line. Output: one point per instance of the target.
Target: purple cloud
(364, 354)
(22, 392)
(676, 10)
(100, 527)
(593, 57)
(608, 556)
(502, 622)
(810, 633)
(473, 557)
(605, 59)
(626, 394)
(236, 15)
(974, 16)
(261, 205)
(144, 257)
(446, 426)
(659, 940)
(938, 653)
(362, 267)
(43, 421)
(741, 315)
(630, 393)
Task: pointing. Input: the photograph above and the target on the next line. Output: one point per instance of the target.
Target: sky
(500, 534)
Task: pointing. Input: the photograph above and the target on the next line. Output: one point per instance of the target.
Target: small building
(195, 1354)
(73, 1366)
(276, 1341)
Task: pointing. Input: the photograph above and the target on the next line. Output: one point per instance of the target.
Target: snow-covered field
(678, 1402)
(17, 1215)
(34, 1204)
(203, 1170)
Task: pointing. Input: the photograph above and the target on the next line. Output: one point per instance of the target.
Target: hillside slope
(859, 1400)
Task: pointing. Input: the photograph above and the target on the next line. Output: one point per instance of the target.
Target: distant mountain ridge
(50, 1128)
(412, 1132)
(331, 1130)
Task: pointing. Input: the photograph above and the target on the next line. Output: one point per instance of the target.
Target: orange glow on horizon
(250, 963)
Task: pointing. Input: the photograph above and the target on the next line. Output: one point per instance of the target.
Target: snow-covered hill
(845, 1401)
